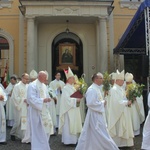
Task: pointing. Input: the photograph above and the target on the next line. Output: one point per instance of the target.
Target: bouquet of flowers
(106, 82)
(80, 84)
(81, 88)
(134, 90)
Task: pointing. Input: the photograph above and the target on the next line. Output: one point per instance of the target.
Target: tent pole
(147, 34)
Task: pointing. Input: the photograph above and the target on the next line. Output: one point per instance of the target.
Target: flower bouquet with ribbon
(80, 86)
(134, 90)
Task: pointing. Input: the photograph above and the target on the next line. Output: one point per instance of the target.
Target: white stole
(46, 118)
(23, 93)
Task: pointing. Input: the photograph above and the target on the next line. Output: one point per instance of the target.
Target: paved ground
(56, 144)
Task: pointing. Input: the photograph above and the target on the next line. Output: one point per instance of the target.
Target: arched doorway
(67, 39)
(4, 57)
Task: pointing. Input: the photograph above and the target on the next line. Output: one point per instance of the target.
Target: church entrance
(67, 50)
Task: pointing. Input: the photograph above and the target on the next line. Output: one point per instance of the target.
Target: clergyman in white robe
(70, 123)
(57, 85)
(2, 117)
(146, 130)
(26, 139)
(10, 104)
(40, 119)
(94, 135)
(119, 118)
(19, 97)
(137, 108)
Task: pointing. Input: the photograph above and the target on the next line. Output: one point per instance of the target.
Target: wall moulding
(66, 11)
(130, 4)
(6, 4)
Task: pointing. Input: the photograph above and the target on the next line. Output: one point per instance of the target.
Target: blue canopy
(133, 40)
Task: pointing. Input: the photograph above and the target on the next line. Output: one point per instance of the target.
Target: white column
(111, 43)
(35, 46)
(30, 45)
(103, 45)
(97, 47)
(21, 44)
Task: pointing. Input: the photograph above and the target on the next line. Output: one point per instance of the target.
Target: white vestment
(70, 123)
(55, 84)
(119, 118)
(82, 109)
(41, 126)
(9, 105)
(94, 134)
(146, 130)
(19, 94)
(52, 107)
(2, 117)
(137, 114)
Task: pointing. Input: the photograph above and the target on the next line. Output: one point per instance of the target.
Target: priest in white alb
(70, 123)
(40, 119)
(119, 118)
(33, 76)
(10, 104)
(146, 130)
(19, 97)
(57, 86)
(94, 135)
(3, 100)
(137, 108)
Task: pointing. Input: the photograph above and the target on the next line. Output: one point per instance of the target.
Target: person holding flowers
(70, 124)
(81, 86)
(119, 118)
(94, 134)
(137, 108)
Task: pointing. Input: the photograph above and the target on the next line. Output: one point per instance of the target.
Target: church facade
(35, 34)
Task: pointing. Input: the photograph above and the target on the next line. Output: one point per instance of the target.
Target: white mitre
(128, 77)
(119, 75)
(113, 76)
(46, 74)
(69, 73)
(33, 74)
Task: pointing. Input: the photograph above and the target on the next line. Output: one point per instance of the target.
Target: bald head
(42, 76)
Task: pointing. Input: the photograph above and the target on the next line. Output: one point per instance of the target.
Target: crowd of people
(35, 109)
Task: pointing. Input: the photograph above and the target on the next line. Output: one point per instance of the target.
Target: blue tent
(133, 40)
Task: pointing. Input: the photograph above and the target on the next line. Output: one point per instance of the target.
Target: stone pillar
(30, 45)
(98, 48)
(21, 44)
(103, 45)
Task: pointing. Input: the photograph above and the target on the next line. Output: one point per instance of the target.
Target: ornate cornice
(130, 4)
(66, 8)
(6, 4)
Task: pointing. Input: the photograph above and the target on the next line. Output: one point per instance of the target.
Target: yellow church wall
(9, 22)
(122, 18)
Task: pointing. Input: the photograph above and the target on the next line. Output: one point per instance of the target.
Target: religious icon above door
(67, 55)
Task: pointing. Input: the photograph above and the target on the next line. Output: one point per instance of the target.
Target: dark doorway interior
(138, 65)
(67, 38)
